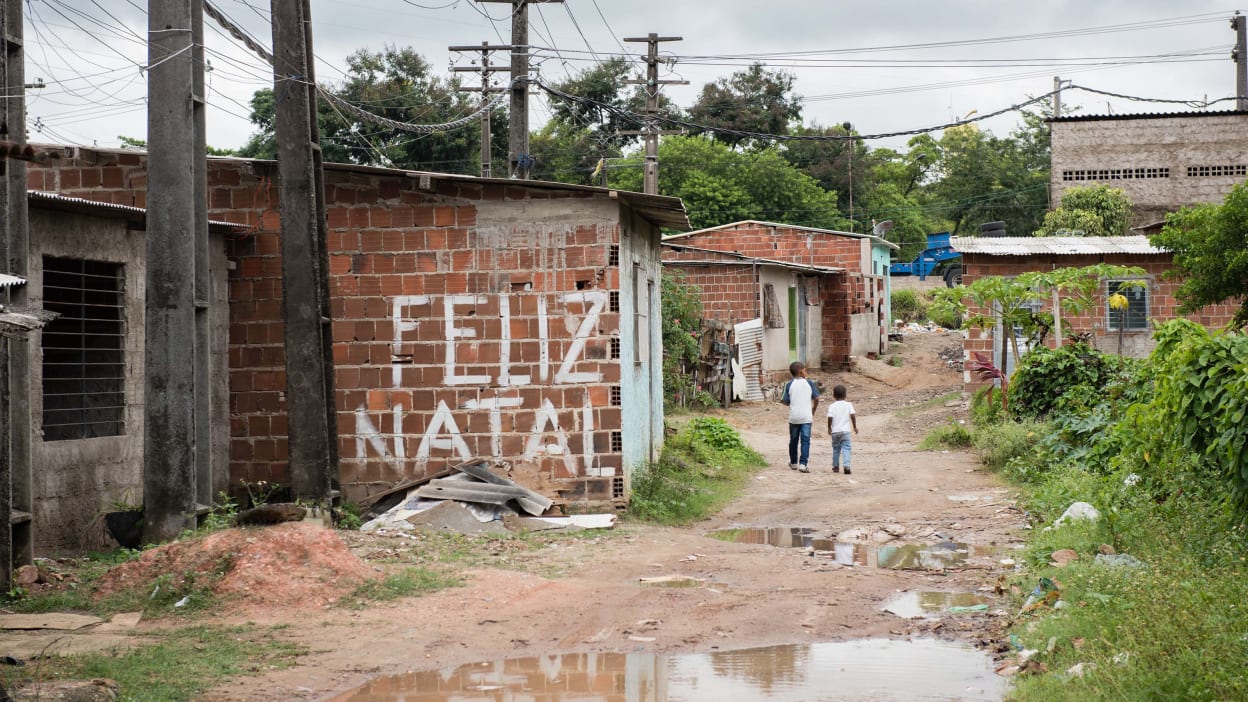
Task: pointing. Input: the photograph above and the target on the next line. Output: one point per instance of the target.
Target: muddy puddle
(935, 604)
(874, 669)
(898, 556)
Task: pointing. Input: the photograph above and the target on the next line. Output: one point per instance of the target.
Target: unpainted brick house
(834, 284)
(1162, 161)
(1010, 256)
(774, 306)
(83, 423)
(473, 318)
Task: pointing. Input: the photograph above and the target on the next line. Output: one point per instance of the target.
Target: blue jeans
(840, 449)
(799, 433)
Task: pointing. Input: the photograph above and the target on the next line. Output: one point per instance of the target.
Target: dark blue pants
(799, 433)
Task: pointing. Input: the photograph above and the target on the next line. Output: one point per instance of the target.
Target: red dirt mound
(293, 565)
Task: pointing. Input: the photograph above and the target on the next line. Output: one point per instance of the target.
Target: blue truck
(938, 258)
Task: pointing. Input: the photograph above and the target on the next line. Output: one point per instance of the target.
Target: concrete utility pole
(486, 90)
(1240, 56)
(16, 543)
(176, 241)
(1057, 96)
(313, 424)
(651, 85)
(518, 159)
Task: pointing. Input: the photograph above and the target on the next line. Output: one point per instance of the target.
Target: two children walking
(802, 397)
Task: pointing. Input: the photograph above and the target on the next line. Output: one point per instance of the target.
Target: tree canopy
(1210, 247)
(1095, 210)
(751, 100)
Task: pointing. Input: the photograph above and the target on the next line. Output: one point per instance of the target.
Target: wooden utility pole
(176, 262)
(518, 159)
(1240, 56)
(312, 420)
(16, 543)
(652, 85)
(487, 89)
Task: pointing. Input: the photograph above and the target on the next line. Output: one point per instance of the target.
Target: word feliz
(443, 432)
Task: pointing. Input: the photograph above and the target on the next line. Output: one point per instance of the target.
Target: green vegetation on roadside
(179, 665)
(409, 582)
(701, 468)
(1158, 448)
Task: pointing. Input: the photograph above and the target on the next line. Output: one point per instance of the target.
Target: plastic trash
(1045, 592)
(1078, 510)
(1119, 560)
(958, 609)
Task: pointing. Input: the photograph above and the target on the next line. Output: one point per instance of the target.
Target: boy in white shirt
(841, 419)
(802, 397)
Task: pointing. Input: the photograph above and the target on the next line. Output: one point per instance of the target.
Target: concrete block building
(472, 318)
(83, 425)
(1162, 161)
(827, 289)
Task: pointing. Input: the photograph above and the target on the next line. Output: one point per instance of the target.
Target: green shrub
(700, 469)
(1053, 379)
(941, 315)
(908, 307)
(951, 435)
(986, 406)
(997, 444)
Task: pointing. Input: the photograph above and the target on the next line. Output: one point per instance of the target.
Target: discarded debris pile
(952, 356)
(292, 565)
(470, 499)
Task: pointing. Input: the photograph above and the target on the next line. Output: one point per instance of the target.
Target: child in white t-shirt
(841, 419)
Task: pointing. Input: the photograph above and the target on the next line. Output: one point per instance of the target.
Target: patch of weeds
(348, 516)
(73, 592)
(998, 444)
(895, 361)
(700, 469)
(181, 665)
(929, 404)
(409, 582)
(986, 406)
(951, 435)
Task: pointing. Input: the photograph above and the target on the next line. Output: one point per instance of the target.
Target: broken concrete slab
(44, 645)
(452, 516)
(96, 690)
(49, 620)
(126, 621)
(464, 491)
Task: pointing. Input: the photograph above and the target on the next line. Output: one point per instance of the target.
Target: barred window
(1135, 317)
(83, 349)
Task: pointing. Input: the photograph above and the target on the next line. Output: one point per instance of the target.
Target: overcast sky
(89, 52)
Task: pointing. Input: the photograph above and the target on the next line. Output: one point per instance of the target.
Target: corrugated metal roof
(1054, 245)
(6, 280)
(1144, 115)
(65, 203)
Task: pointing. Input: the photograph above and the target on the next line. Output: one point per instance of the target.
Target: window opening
(83, 349)
(1136, 317)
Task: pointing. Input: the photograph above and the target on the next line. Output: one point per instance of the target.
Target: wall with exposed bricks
(843, 295)
(1162, 303)
(471, 319)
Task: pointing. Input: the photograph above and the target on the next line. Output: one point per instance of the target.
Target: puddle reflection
(853, 670)
(932, 604)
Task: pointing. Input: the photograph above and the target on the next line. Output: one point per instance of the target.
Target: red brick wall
(446, 345)
(729, 290)
(1162, 303)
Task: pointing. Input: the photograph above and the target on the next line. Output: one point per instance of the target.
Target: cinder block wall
(1162, 162)
(456, 335)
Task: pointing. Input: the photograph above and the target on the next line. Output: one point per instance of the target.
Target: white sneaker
(792, 466)
(803, 469)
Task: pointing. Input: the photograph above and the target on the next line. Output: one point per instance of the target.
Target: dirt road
(751, 595)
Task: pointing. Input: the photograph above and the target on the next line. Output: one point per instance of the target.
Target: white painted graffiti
(443, 432)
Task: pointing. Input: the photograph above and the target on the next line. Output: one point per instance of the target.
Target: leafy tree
(1096, 210)
(897, 189)
(751, 100)
(1210, 247)
(400, 85)
(141, 144)
(721, 185)
(682, 322)
(983, 178)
